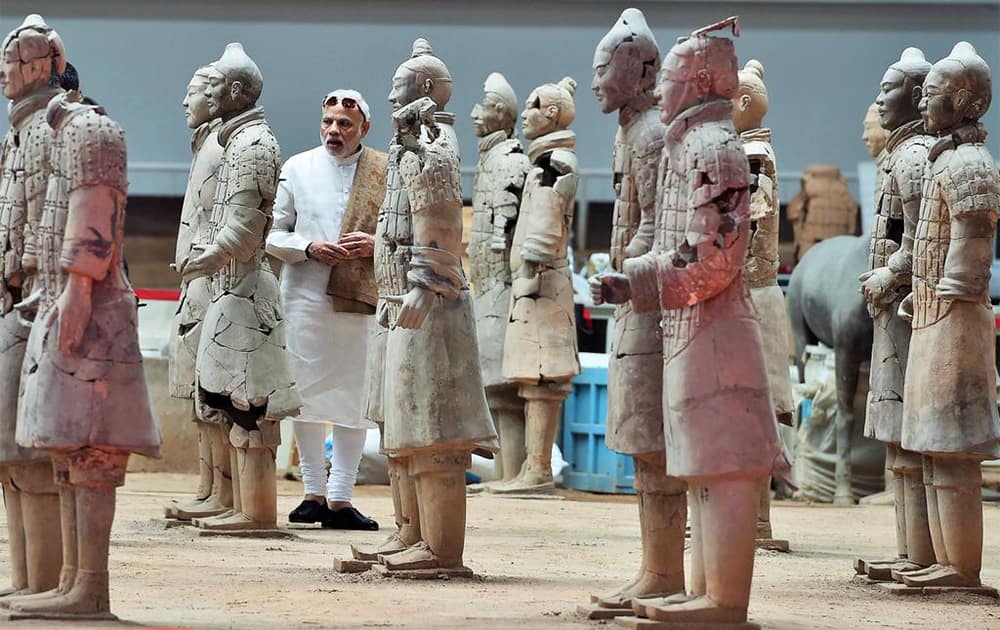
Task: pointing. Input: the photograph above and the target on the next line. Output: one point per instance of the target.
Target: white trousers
(348, 443)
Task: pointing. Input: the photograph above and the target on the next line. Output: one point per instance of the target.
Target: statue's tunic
(635, 367)
(949, 404)
(242, 369)
(761, 269)
(96, 398)
(193, 235)
(496, 196)
(24, 160)
(433, 397)
(719, 419)
(897, 206)
(540, 346)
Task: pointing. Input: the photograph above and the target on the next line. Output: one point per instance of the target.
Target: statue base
(640, 623)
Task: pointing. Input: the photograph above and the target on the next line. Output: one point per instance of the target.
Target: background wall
(824, 61)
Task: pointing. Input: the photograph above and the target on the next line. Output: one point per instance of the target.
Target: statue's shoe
(88, 599)
(945, 576)
(233, 522)
(199, 508)
(883, 572)
(391, 545)
(641, 606)
(698, 610)
(418, 556)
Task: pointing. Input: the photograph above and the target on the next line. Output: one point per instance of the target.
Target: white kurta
(327, 350)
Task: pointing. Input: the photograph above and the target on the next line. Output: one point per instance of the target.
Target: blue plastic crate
(592, 465)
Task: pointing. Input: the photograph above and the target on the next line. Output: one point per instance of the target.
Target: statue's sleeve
(433, 188)
(646, 164)
(546, 216)
(97, 190)
(250, 193)
(506, 197)
(715, 246)
(970, 188)
(763, 258)
(907, 174)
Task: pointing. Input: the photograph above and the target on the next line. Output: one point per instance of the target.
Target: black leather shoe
(348, 518)
(309, 511)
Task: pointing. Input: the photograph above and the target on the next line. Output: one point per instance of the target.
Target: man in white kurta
(315, 211)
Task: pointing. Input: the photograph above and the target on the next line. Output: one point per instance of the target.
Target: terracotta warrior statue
(626, 63)
(496, 200)
(83, 392)
(873, 135)
(721, 434)
(242, 379)
(823, 208)
(540, 352)
(897, 207)
(433, 399)
(32, 55)
(215, 487)
(750, 105)
(949, 399)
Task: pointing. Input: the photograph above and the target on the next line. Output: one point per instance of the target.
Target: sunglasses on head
(347, 102)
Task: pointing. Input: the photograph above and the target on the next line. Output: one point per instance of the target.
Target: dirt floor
(535, 560)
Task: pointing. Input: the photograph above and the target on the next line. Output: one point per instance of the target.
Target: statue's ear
(551, 111)
(745, 101)
(428, 86)
(918, 93)
(236, 89)
(704, 81)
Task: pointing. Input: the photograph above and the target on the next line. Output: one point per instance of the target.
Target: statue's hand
(417, 304)
(613, 288)
(906, 308)
(73, 310)
(205, 264)
(878, 286)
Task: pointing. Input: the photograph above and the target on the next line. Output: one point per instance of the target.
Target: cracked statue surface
(432, 397)
(949, 397)
(498, 188)
(83, 391)
(32, 56)
(242, 379)
(626, 64)
(721, 434)
(540, 351)
(214, 493)
(902, 163)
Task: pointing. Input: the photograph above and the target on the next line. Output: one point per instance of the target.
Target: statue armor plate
(897, 204)
(24, 160)
(434, 396)
(731, 410)
(241, 353)
(194, 232)
(761, 268)
(635, 367)
(952, 410)
(540, 344)
(97, 397)
(497, 187)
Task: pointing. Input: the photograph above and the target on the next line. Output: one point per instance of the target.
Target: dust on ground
(535, 561)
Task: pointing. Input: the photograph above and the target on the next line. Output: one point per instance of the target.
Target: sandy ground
(534, 560)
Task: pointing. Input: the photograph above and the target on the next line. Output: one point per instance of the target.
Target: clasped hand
(205, 264)
(350, 246)
(613, 288)
(878, 287)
